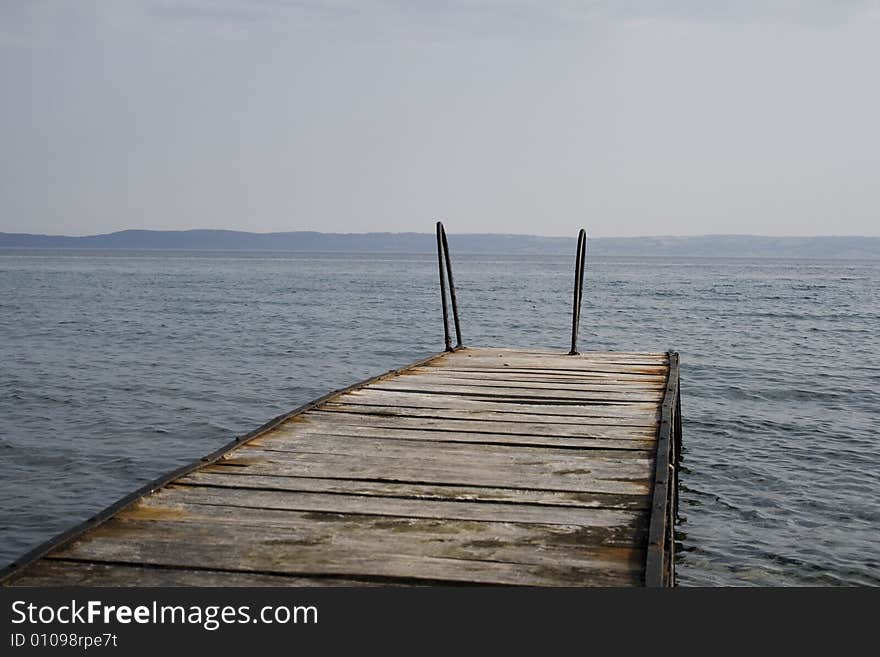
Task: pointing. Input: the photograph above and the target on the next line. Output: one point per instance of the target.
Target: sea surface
(116, 367)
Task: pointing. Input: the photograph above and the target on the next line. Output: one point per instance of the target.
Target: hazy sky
(527, 116)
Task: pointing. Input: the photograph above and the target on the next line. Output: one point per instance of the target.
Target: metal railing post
(580, 258)
(444, 265)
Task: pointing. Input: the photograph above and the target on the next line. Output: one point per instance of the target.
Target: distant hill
(304, 241)
(736, 246)
(752, 246)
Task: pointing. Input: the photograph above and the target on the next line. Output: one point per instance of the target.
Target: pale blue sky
(525, 116)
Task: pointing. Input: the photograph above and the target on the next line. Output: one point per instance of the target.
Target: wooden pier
(477, 466)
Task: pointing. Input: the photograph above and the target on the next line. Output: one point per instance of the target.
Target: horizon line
(430, 233)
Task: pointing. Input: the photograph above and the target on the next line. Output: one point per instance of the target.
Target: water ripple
(115, 368)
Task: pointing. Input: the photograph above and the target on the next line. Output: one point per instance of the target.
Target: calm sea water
(117, 367)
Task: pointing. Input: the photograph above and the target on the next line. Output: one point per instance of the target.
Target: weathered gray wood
(523, 414)
(479, 466)
(483, 358)
(355, 430)
(630, 477)
(146, 547)
(532, 381)
(308, 543)
(506, 372)
(232, 478)
(581, 360)
(501, 459)
(563, 354)
(515, 374)
(437, 452)
(63, 572)
(504, 394)
(173, 496)
(537, 368)
(566, 408)
(604, 387)
(343, 423)
(610, 370)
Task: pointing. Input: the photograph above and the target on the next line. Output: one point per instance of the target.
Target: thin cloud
(42, 22)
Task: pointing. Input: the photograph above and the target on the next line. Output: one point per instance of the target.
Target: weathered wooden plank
(501, 458)
(572, 409)
(64, 572)
(629, 477)
(536, 380)
(282, 511)
(580, 360)
(504, 371)
(545, 368)
(610, 369)
(398, 507)
(351, 546)
(468, 358)
(518, 395)
(518, 391)
(560, 353)
(343, 423)
(232, 478)
(438, 452)
(489, 413)
(505, 394)
(366, 535)
(612, 372)
(278, 439)
(514, 374)
(505, 367)
(517, 387)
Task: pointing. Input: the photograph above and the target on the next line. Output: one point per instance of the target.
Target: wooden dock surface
(481, 466)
